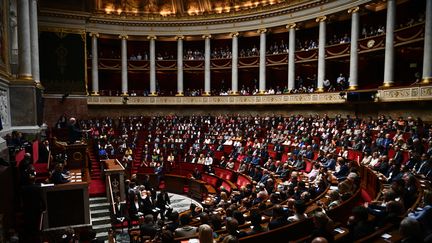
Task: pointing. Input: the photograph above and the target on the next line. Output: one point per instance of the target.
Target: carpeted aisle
(96, 185)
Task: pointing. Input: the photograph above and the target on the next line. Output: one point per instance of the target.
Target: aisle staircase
(96, 185)
(138, 154)
(100, 216)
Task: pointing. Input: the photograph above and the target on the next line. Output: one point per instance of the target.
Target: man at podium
(74, 131)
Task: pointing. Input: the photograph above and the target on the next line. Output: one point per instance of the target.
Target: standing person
(159, 171)
(74, 131)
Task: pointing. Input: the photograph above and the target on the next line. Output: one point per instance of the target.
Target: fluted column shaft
(124, 71)
(34, 36)
(234, 63)
(353, 82)
(95, 66)
(427, 53)
(321, 53)
(262, 61)
(291, 57)
(179, 65)
(207, 74)
(24, 50)
(152, 65)
(389, 44)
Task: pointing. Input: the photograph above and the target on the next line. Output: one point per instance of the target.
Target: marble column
(34, 37)
(207, 71)
(262, 61)
(152, 39)
(321, 52)
(353, 82)
(291, 57)
(124, 71)
(389, 44)
(180, 65)
(24, 50)
(234, 63)
(95, 65)
(427, 53)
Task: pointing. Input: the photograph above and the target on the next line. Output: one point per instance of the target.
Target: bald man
(319, 240)
(74, 132)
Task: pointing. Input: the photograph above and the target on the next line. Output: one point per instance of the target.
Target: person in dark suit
(148, 227)
(44, 152)
(120, 210)
(74, 131)
(163, 204)
(135, 208)
(343, 170)
(278, 219)
(59, 176)
(196, 174)
(330, 162)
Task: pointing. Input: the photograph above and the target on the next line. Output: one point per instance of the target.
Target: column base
(261, 92)
(234, 93)
(426, 80)
(124, 94)
(353, 87)
(206, 94)
(387, 85)
(26, 77)
(319, 90)
(39, 85)
(94, 93)
(153, 94)
(179, 94)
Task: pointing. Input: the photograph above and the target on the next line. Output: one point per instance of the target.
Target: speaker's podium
(76, 153)
(67, 205)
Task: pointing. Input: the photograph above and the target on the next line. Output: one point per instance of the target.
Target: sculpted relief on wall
(4, 108)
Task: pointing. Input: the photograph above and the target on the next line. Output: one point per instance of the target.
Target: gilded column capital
(261, 31)
(234, 34)
(125, 37)
(291, 26)
(207, 36)
(353, 10)
(95, 34)
(151, 37)
(179, 37)
(321, 19)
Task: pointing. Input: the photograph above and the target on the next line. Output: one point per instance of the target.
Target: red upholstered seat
(308, 166)
(228, 148)
(224, 174)
(41, 168)
(218, 154)
(212, 180)
(355, 155)
(272, 154)
(242, 181)
(226, 186)
(270, 146)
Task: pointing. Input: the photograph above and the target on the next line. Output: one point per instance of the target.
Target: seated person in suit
(185, 230)
(196, 174)
(59, 176)
(136, 208)
(148, 227)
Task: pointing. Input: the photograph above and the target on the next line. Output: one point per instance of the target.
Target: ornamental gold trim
(321, 19)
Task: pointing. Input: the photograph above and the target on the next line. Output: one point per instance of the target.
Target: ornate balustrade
(315, 98)
(411, 93)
